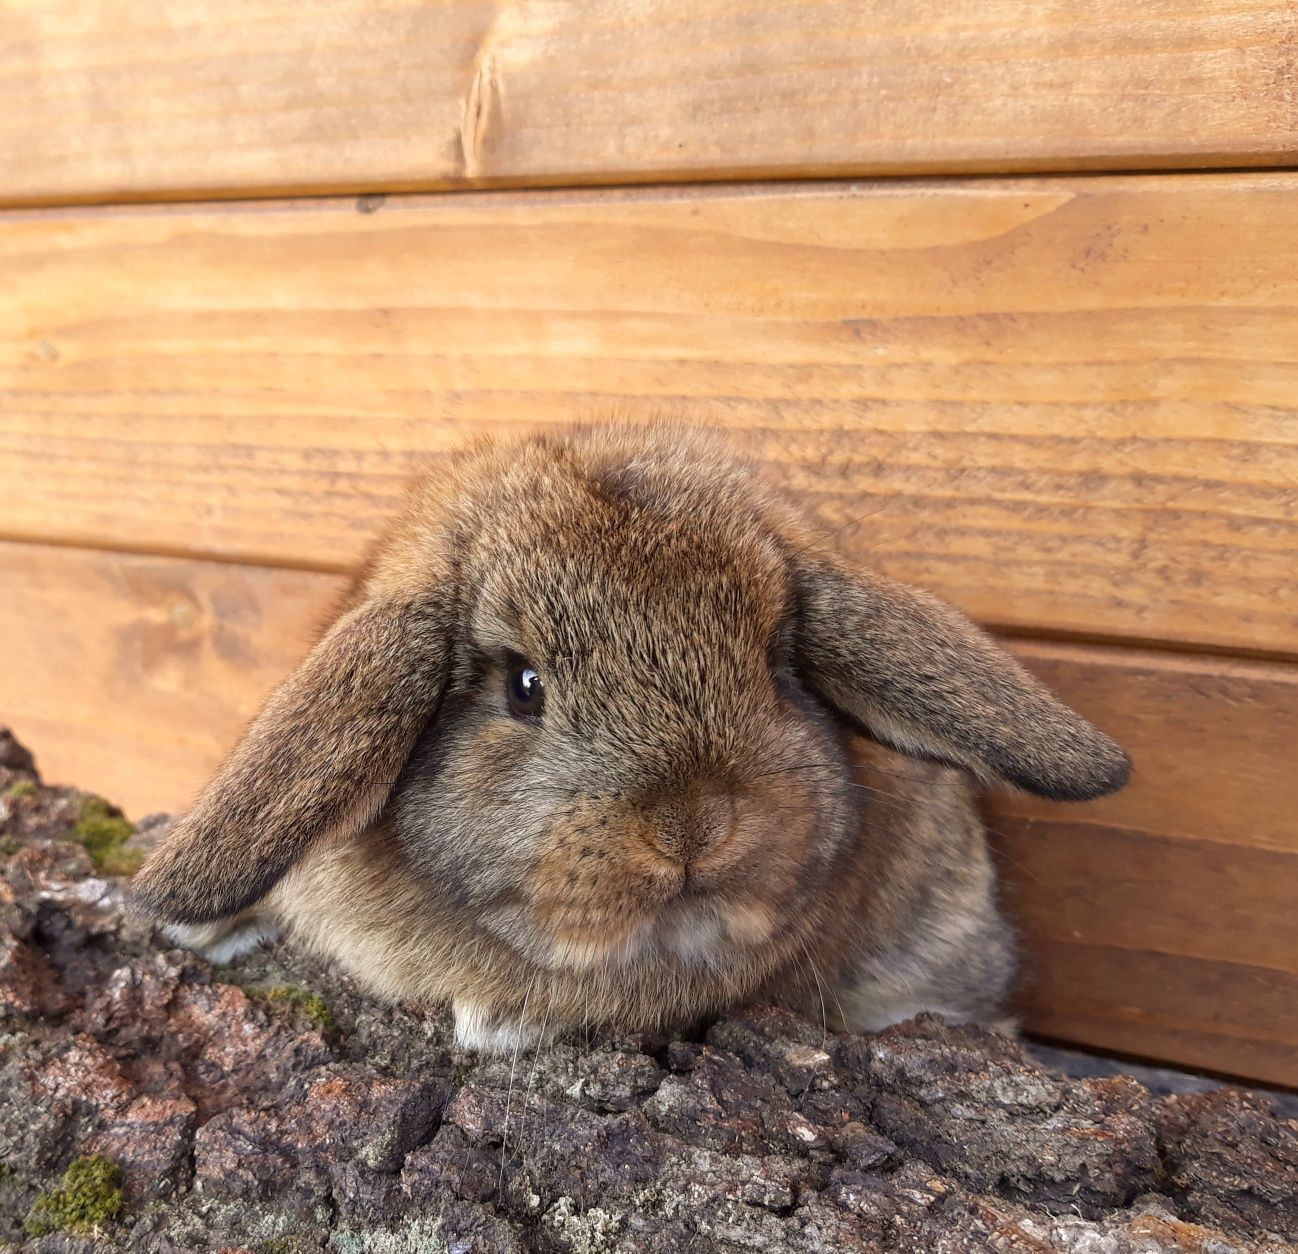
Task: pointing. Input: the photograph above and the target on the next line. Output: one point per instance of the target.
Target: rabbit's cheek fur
(472, 804)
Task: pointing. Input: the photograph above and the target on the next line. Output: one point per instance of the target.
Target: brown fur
(684, 827)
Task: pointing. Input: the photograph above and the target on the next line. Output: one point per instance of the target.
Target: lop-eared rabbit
(605, 734)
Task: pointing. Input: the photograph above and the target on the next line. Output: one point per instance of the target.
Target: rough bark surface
(270, 1107)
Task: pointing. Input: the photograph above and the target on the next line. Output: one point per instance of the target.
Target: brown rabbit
(583, 746)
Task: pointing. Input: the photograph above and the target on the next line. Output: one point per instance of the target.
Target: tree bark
(271, 1107)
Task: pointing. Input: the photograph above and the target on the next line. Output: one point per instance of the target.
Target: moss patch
(8, 846)
(21, 788)
(103, 831)
(292, 1001)
(89, 1198)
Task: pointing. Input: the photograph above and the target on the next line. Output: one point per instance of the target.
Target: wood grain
(268, 96)
(133, 676)
(1068, 405)
(1159, 922)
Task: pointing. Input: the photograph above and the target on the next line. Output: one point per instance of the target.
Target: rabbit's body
(583, 747)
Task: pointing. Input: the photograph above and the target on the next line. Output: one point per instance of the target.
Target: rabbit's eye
(525, 689)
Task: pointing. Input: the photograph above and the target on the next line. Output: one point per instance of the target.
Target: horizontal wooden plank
(1213, 742)
(1158, 922)
(1236, 1019)
(1068, 405)
(1186, 897)
(371, 95)
(133, 676)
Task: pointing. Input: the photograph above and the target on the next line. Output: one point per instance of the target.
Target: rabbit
(604, 734)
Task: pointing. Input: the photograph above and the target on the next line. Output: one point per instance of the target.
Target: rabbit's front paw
(224, 941)
(478, 1028)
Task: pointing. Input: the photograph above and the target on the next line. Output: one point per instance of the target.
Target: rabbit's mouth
(694, 930)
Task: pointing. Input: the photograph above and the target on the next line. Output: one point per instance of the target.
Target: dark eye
(526, 691)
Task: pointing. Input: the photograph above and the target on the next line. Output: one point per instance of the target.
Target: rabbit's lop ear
(321, 757)
(920, 677)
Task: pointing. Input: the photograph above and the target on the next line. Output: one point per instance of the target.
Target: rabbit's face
(625, 766)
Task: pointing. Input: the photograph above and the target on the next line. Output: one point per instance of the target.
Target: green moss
(89, 1198)
(276, 1245)
(22, 788)
(8, 846)
(101, 828)
(292, 1000)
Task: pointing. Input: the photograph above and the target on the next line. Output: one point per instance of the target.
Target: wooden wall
(1021, 285)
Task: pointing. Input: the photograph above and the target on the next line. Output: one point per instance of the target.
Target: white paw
(476, 1028)
(221, 942)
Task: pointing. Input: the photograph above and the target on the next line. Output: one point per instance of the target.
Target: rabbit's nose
(692, 828)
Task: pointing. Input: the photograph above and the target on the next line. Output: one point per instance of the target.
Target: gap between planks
(701, 183)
